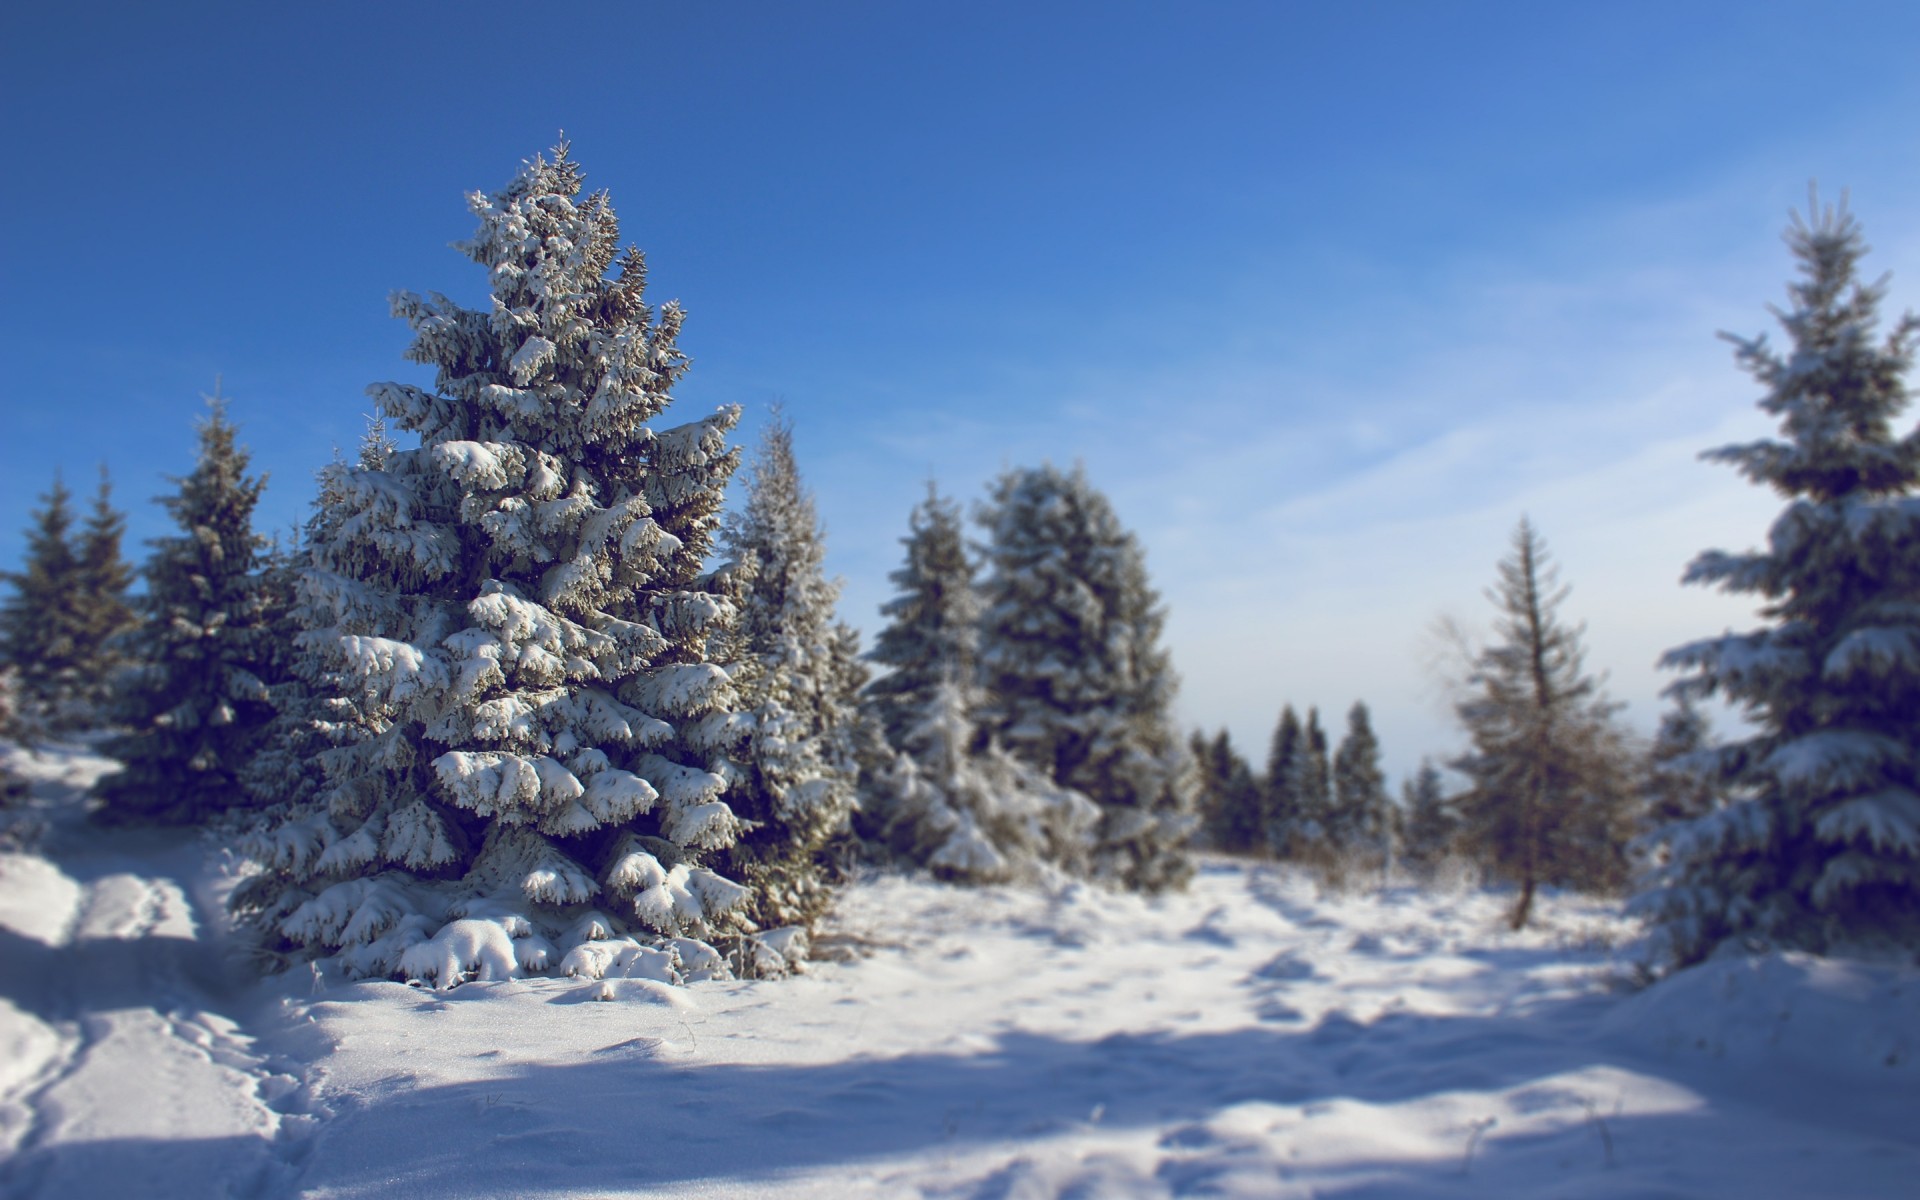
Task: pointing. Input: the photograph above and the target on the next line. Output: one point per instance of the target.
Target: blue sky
(1325, 296)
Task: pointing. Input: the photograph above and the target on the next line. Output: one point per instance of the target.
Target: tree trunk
(1525, 905)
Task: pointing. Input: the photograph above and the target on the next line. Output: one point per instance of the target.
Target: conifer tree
(1429, 826)
(1300, 786)
(1680, 784)
(932, 633)
(195, 703)
(514, 620)
(1358, 820)
(1231, 802)
(42, 628)
(106, 613)
(1819, 845)
(970, 812)
(19, 829)
(1079, 685)
(1550, 789)
(797, 677)
(1281, 804)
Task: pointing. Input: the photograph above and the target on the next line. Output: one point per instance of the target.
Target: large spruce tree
(515, 620)
(1550, 779)
(1819, 846)
(1079, 684)
(195, 704)
(793, 678)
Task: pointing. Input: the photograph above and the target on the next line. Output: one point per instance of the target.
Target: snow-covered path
(120, 1075)
(1252, 1037)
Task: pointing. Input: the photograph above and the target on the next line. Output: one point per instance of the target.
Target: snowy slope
(1251, 1037)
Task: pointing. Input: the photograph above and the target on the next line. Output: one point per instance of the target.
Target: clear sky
(1324, 295)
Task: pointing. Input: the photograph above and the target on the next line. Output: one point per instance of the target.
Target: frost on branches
(932, 636)
(797, 674)
(531, 744)
(1818, 845)
(1079, 686)
(196, 702)
(972, 813)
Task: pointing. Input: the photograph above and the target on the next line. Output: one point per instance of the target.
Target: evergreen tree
(1233, 814)
(972, 813)
(19, 829)
(1300, 786)
(195, 703)
(1680, 785)
(1819, 846)
(932, 633)
(42, 626)
(797, 676)
(105, 612)
(1080, 687)
(1429, 826)
(1358, 821)
(1281, 803)
(513, 619)
(1550, 793)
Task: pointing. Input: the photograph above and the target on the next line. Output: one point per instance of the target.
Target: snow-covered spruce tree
(105, 612)
(1819, 846)
(1357, 822)
(195, 704)
(19, 830)
(1427, 824)
(1550, 780)
(1078, 683)
(534, 742)
(1232, 805)
(1300, 787)
(1279, 805)
(932, 633)
(1680, 782)
(67, 607)
(959, 805)
(792, 671)
(40, 626)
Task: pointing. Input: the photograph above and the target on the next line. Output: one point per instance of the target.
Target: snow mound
(1788, 1009)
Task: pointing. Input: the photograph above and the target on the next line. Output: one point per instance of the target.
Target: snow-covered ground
(1251, 1037)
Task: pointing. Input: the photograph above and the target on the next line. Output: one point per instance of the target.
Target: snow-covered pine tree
(41, 628)
(194, 703)
(932, 633)
(1300, 788)
(285, 766)
(1232, 811)
(1819, 846)
(1680, 784)
(105, 611)
(1280, 806)
(967, 810)
(795, 677)
(19, 829)
(1550, 786)
(517, 618)
(1312, 836)
(1428, 825)
(1079, 685)
(1357, 823)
